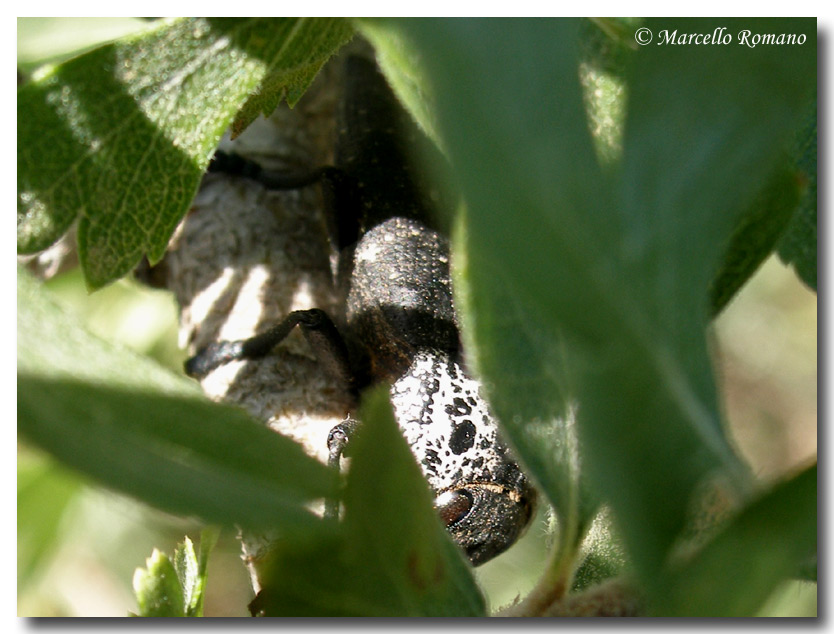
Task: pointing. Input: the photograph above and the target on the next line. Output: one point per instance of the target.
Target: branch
(243, 258)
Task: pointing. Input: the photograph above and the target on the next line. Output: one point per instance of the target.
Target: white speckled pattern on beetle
(447, 423)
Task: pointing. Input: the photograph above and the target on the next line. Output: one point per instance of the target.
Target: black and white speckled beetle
(400, 323)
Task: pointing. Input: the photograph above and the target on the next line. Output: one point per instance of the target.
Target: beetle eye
(453, 506)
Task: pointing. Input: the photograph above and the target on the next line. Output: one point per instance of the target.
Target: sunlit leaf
(121, 136)
(158, 589)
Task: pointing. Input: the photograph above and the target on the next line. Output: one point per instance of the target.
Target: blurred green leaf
(606, 52)
(391, 556)
(135, 427)
(41, 40)
(479, 88)
(808, 569)
(564, 263)
(741, 567)
(129, 128)
(799, 245)
(687, 181)
(792, 599)
(756, 236)
(45, 493)
(158, 588)
(400, 63)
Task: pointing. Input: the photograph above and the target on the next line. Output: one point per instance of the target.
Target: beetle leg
(340, 190)
(337, 443)
(318, 329)
(236, 165)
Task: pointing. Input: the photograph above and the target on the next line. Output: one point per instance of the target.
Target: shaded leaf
(761, 547)
(400, 63)
(614, 270)
(799, 245)
(523, 365)
(756, 236)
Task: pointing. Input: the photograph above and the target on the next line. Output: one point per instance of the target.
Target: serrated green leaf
(799, 244)
(121, 136)
(310, 43)
(191, 570)
(157, 588)
(739, 569)
(613, 269)
(135, 427)
(161, 593)
(185, 563)
(391, 556)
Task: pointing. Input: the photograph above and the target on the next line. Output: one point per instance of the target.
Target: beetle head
(485, 519)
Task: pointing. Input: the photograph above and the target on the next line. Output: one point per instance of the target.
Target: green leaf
(478, 86)
(191, 570)
(175, 588)
(187, 568)
(137, 428)
(400, 63)
(792, 598)
(606, 51)
(799, 245)
(705, 130)
(739, 569)
(756, 236)
(121, 136)
(310, 43)
(602, 555)
(208, 540)
(614, 270)
(391, 556)
(157, 587)
(45, 495)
